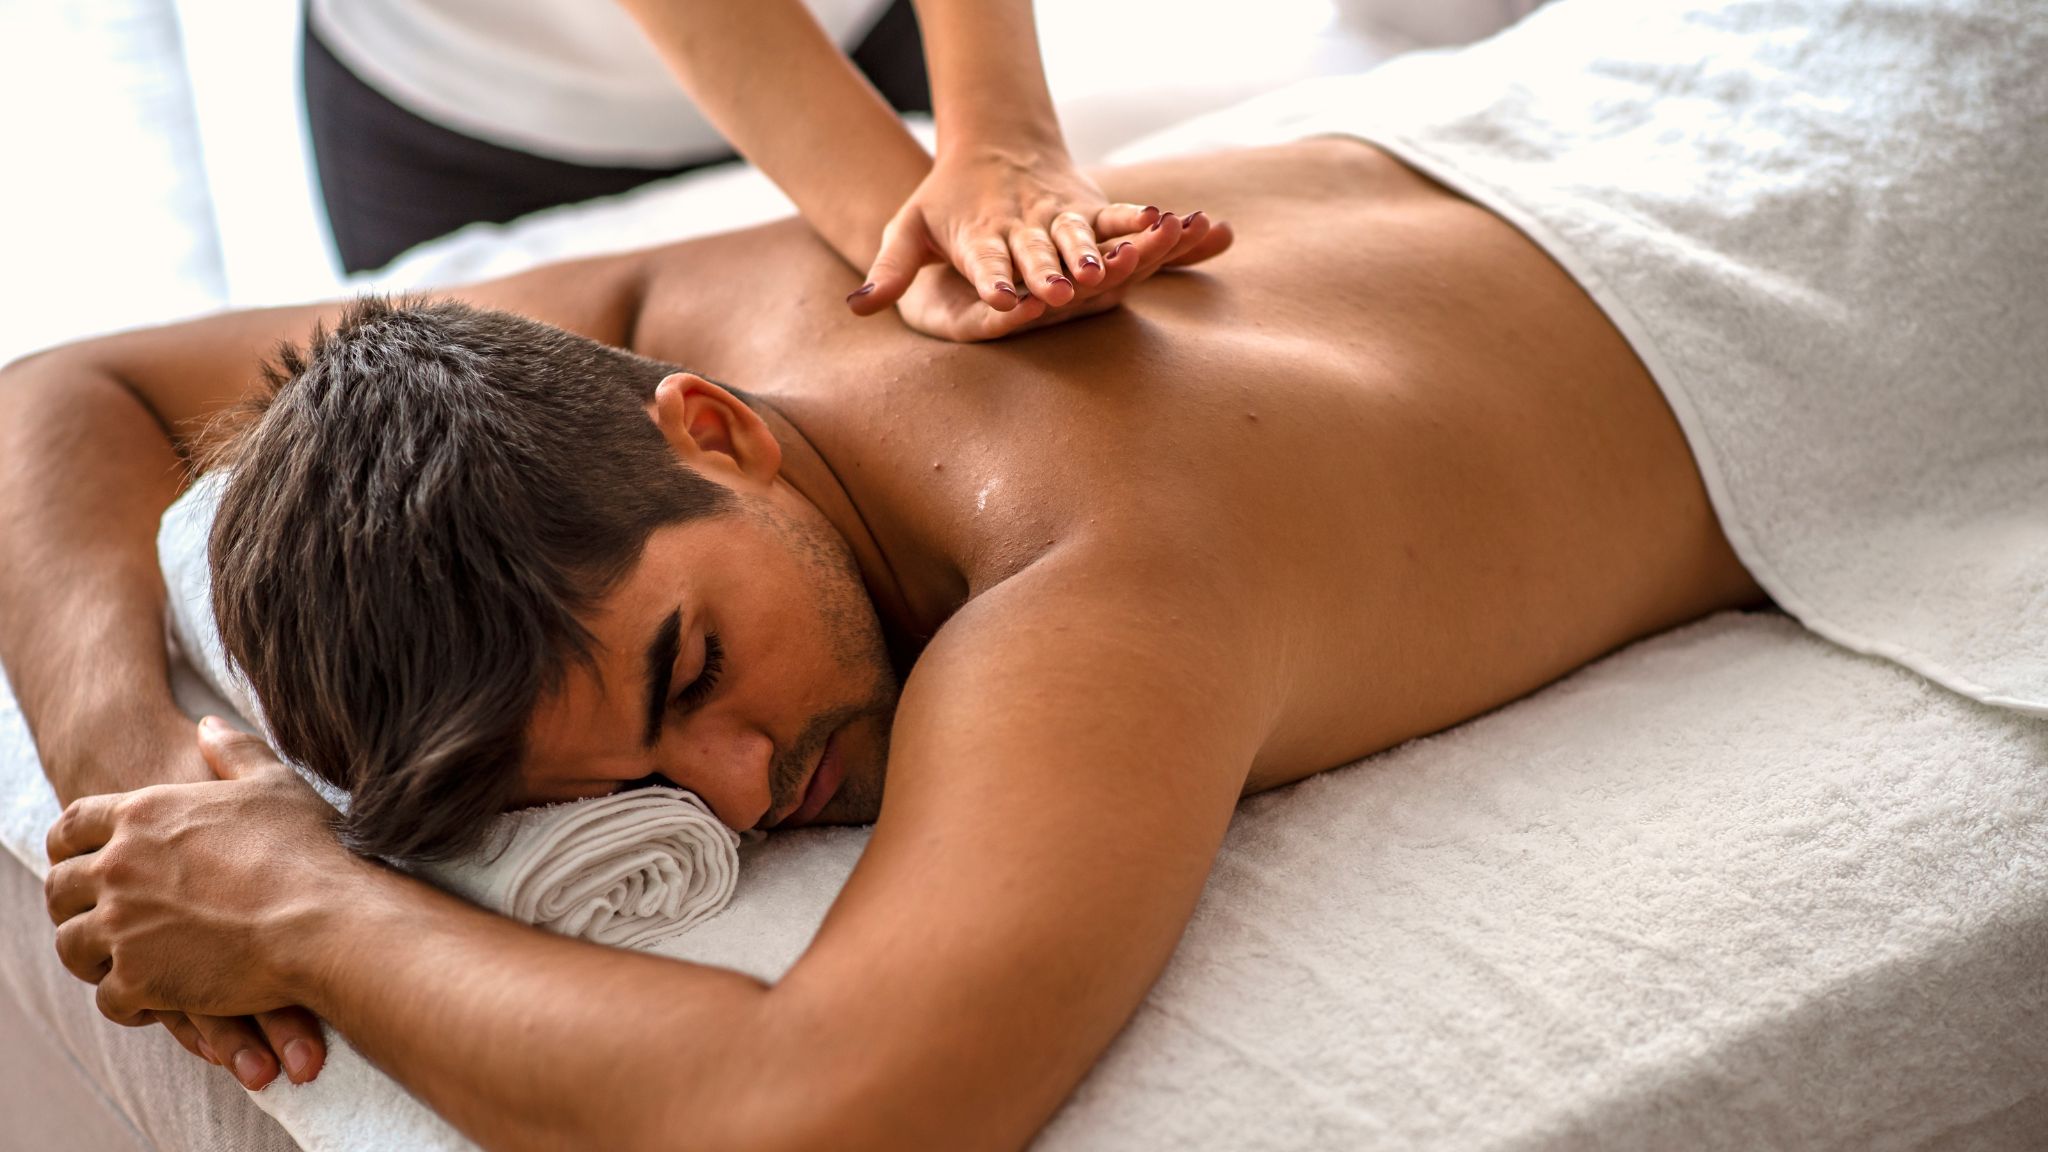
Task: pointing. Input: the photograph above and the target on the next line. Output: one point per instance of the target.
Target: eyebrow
(661, 667)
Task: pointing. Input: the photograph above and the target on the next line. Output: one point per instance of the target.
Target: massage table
(1730, 887)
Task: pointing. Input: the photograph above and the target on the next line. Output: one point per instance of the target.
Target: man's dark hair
(421, 504)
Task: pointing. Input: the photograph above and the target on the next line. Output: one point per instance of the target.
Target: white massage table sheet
(1732, 887)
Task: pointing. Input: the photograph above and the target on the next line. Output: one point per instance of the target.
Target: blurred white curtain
(105, 216)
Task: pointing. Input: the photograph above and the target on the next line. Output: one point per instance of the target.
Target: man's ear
(713, 432)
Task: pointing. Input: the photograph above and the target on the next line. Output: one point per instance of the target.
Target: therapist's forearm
(768, 77)
(85, 475)
(525, 1040)
(988, 78)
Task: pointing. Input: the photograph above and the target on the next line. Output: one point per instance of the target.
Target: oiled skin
(1385, 417)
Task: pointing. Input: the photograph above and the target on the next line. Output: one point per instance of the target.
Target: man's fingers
(232, 754)
(85, 826)
(184, 1033)
(904, 251)
(121, 1004)
(240, 1047)
(68, 890)
(83, 950)
(294, 1035)
(1118, 219)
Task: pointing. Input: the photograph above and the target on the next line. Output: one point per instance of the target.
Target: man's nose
(726, 762)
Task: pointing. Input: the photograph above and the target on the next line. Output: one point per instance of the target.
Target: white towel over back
(1820, 225)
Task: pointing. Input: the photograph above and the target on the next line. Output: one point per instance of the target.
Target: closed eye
(700, 689)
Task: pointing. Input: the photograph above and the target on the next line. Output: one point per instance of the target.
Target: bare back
(1385, 425)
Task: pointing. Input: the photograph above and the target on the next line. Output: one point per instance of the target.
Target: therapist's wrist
(1024, 131)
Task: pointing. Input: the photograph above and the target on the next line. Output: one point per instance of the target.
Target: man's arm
(94, 439)
(93, 448)
(89, 460)
(1067, 756)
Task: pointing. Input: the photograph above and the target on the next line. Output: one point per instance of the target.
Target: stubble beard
(853, 633)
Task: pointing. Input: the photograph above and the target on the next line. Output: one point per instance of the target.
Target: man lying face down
(1245, 528)
(595, 610)
(1249, 526)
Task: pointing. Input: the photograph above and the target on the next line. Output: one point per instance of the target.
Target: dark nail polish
(1188, 221)
(1003, 286)
(1090, 262)
(1058, 279)
(1119, 249)
(859, 292)
(1151, 210)
(1161, 222)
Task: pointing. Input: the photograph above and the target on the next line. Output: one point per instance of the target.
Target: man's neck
(904, 583)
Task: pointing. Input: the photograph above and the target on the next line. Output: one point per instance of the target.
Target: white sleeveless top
(573, 80)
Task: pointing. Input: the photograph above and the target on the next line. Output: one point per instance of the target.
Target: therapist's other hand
(172, 898)
(940, 303)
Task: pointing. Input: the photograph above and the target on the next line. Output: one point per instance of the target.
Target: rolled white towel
(626, 870)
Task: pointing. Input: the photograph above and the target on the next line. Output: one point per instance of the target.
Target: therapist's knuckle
(1033, 243)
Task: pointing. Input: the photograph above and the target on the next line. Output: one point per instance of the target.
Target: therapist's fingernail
(1004, 286)
(206, 1050)
(1188, 221)
(1056, 278)
(248, 1067)
(1120, 249)
(859, 292)
(1090, 262)
(298, 1056)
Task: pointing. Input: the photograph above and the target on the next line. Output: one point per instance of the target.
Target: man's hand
(941, 303)
(175, 900)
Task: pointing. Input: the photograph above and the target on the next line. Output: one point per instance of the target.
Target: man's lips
(825, 779)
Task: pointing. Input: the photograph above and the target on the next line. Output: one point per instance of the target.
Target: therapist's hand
(940, 303)
(163, 897)
(1017, 225)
